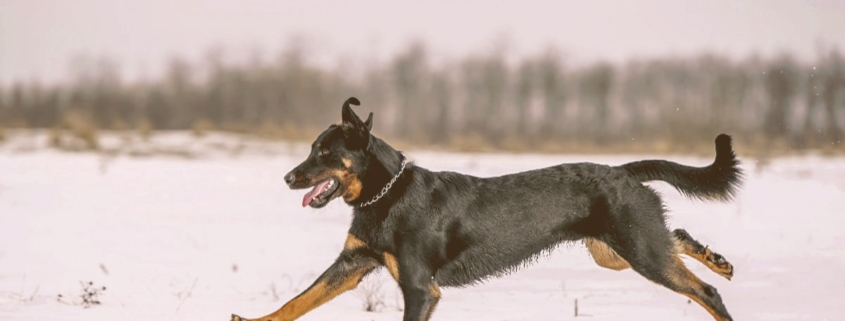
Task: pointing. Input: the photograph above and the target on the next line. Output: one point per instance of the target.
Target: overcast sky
(38, 38)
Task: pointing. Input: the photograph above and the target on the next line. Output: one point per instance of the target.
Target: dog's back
(496, 224)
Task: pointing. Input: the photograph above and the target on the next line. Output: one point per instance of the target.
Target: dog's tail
(717, 182)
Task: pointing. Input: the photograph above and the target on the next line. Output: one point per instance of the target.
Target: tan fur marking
(435, 292)
(681, 275)
(682, 247)
(709, 310)
(353, 242)
(351, 184)
(434, 289)
(604, 255)
(315, 296)
(302, 304)
(353, 190)
(347, 162)
(392, 265)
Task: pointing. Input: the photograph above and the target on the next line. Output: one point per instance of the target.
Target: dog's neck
(384, 162)
(384, 156)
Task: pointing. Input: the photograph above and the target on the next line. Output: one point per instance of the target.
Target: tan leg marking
(712, 260)
(681, 275)
(604, 255)
(705, 306)
(392, 265)
(316, 295)
(324, 289)
(434, 288)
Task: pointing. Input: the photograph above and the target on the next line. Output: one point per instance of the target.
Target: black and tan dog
(433, 229)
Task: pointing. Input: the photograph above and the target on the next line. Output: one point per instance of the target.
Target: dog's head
(336, 161)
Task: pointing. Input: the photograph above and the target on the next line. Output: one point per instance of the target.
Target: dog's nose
(289, 178)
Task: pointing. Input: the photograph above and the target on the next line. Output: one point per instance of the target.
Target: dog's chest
(372, 232)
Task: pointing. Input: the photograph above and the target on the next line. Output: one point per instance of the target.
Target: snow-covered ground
(198, 238)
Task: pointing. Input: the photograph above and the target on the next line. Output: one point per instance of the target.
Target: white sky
(38, 38)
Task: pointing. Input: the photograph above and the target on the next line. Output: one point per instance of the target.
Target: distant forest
(480, 100)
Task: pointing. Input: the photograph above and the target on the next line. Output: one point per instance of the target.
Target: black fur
(719, 181)
(452, 229)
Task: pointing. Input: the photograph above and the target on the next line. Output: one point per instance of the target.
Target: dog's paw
(236, 317)
(719, 264)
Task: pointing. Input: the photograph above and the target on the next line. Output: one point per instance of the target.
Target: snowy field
(200, 235)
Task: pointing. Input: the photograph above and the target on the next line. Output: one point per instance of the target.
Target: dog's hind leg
(678, 278)
(685, 244)
(606, 257)
(649, 261)
(637, 232)
(654, 258)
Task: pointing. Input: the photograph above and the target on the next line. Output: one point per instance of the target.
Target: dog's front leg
(419, 289)
(355, 262)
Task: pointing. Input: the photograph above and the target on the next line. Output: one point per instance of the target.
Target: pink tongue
(314, 192)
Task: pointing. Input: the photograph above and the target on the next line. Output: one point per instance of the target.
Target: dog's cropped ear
(347, 115)
(357, 133)
(369, 122)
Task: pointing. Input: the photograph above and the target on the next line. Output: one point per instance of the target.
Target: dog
(446, 229)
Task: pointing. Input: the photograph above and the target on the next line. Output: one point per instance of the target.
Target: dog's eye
(323, 152)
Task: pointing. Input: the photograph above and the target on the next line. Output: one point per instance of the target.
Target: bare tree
(780, 86)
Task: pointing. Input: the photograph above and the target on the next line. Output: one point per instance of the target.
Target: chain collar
(386, 187)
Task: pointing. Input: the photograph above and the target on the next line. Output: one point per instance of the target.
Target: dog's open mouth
(321, 194)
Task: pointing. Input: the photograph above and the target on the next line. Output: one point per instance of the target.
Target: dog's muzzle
(290, 178)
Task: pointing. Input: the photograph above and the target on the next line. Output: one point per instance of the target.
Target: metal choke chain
(388, 186)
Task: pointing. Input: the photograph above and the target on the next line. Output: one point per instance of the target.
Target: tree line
(479, 99)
